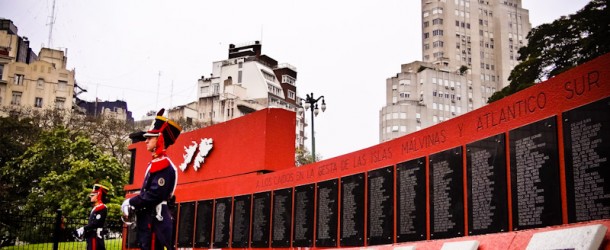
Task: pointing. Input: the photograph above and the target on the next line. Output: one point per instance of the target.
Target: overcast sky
(344, 50)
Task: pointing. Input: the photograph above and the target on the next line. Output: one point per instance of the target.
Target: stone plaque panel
(352, 210)
(186, 225)
(487, 187)
(326, 209)
(282, 217)
(302, 228)
(222, 219)
(586, 135)
(261, 213)
(411, 200)
(446, 194)
(380, 211)
(203, 226)
(241, 221)
(534, 175)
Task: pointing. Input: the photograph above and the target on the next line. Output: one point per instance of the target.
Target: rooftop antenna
(171, 95)
(51, 22)
(158, 86)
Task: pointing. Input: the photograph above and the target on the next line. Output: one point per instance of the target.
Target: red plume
(160, 113)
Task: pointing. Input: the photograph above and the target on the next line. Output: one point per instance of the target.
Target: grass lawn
(114, 244)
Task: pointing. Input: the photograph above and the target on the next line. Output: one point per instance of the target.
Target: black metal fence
(51, 232)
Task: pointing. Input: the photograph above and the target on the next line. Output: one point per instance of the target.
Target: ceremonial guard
(151, 204)
(94, 230)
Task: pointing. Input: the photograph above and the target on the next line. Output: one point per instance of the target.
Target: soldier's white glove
(80, 231)
(125, 208)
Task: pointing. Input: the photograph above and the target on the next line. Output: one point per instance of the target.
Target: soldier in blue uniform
(94, 230)
(153, 217)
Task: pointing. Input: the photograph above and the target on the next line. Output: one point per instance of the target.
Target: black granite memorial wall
(304, 206)
(240, 232)
(261, 214)
(586, 135)
(352, 210)
(535, 183)
(203, 224)
(487, 187)
(446, 194)
(282, 217)
(380, 212)
(222, 219)
(326, 217)
(186, 224)
(411, 200)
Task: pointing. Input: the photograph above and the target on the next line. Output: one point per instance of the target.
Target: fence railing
(51, 232)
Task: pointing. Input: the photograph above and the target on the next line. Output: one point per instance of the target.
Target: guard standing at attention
(153, 216)
(94, 230)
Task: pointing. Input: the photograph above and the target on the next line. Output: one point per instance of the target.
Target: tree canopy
(58, 171)
(50, 159)
(556, 47)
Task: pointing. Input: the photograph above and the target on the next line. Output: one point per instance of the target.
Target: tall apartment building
(246, 82)
(32, 81)
(469, 48)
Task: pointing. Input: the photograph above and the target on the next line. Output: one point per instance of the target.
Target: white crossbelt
(158, 210)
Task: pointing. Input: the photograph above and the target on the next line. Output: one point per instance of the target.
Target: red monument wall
(534, 161)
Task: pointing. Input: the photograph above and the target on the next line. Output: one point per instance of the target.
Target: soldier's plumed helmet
(165, 127)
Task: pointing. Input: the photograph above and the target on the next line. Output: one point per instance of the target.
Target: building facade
(246, 82)
(32, 81)
(469, 48)
(107, 109)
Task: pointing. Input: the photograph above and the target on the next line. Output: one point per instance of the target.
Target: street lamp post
(312, 102)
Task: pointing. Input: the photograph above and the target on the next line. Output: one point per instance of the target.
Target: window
(1, 70)
(40, 83)
(288, 79)
(405, 94)
(291, 94)
(216, 88)
(437, 32)
(60, 102)
(18, 80)
(437, 21)
(16, 99)
(62, 85)
(38, 102)
(239, 76)
(268, 76)
(240, 65)
(204, 89)
(437, 44)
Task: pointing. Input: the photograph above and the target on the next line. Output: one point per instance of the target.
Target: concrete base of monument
(593, 235)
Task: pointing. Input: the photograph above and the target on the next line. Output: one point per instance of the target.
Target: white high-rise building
(469, 48)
